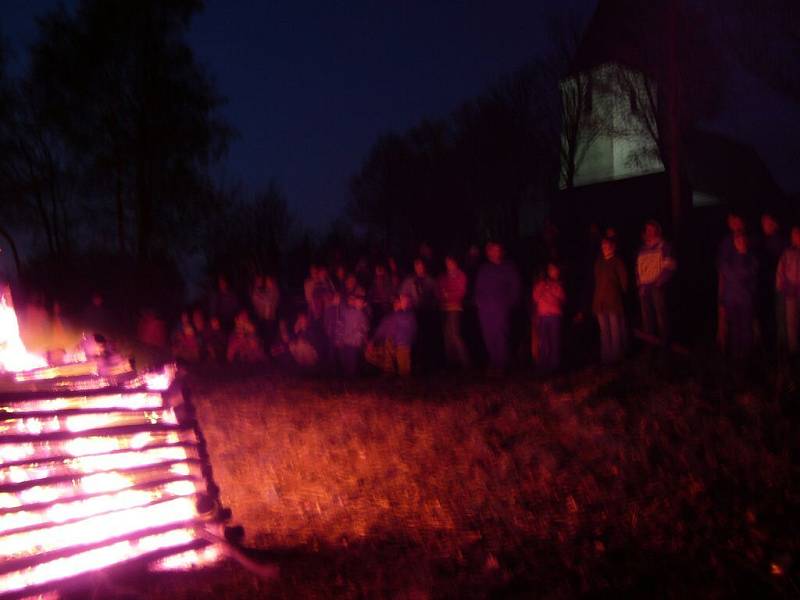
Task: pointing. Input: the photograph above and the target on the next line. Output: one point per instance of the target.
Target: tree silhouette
(120, 86)
(6, 153)
(247, 235)
(462, 179)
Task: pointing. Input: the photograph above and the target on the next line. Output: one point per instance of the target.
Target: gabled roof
(620, 31)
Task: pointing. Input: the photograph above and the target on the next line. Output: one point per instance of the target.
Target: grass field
(637, 481)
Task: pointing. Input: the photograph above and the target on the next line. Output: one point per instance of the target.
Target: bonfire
(100, 467)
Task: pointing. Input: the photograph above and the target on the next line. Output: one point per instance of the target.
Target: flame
(95, 478)
(13, 355)
(186, 561)
(93, 560)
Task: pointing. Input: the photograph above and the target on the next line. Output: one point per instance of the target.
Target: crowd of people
(421, 322)
(471, 313)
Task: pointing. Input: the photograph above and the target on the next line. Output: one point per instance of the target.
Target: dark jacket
(497, 287)
(421, 291)
(399, 326)
(382, 290)
(610, 285)
(738, 278)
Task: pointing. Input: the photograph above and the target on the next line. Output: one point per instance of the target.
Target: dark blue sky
(312, 84)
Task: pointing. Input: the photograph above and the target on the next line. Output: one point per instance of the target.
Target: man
(608, 301)
(381, 292)
(771, 307)
(497, 289)
(726, 252)
(655, 266)
(420, 288)
(738, 275)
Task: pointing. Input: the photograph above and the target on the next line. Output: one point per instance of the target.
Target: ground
(645, 479)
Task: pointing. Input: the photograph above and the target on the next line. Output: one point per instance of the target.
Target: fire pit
(100, 466)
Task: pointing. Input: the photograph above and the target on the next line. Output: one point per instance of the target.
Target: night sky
(312, 84)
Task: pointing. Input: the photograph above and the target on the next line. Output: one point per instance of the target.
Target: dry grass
(606, 483)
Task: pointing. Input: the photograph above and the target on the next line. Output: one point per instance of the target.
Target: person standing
(549, 297)
(771, 307)
(655, 266)
(725, 252)
(381, 292)
(224, 304)
(738, 278)
(264, 297)
(787, 283)
(608, 301)
(497, 288)
(452, 289)
(420, 288)
(352, 335)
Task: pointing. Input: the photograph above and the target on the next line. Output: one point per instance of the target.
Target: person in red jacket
(452, 287)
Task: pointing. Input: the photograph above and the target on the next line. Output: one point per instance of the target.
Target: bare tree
(579, 125)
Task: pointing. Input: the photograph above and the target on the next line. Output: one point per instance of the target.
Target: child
(390, 348)
(352, 334)
(244, 345)
(301, 344)
(185, 343)
(549, 297)
(215, 342)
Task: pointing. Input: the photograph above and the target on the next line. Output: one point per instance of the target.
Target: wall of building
(613, 142)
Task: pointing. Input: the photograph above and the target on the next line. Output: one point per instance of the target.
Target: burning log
(99, 467)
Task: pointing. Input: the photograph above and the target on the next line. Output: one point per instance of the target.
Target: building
(612, 170)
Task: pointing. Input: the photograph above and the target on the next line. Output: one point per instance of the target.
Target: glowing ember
(90, 479)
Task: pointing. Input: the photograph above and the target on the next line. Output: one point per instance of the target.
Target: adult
(452, 286)
(608, 300)
(420, 287)
(787, 282)
(381, 292)
(738, 275)
(497, 289)
(655, 266)
(771, 308)
(725, 253)
(421, 290)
